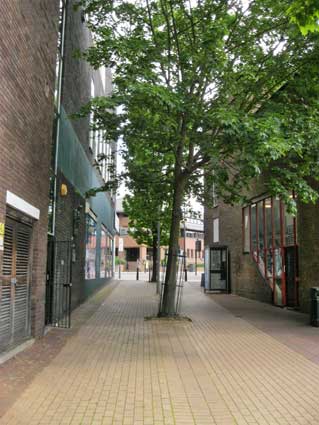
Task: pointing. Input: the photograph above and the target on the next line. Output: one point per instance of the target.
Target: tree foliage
(225, 90)
(305, 13)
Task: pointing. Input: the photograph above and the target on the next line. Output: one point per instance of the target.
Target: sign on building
(121, 245)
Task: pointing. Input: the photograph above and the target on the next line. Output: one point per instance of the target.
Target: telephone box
(217, 269)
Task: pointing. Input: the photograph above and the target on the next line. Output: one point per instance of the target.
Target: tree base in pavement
(177, 318)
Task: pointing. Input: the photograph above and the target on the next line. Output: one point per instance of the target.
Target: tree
(199, 80)
(144, 217)
(305, 13)
(148, 178)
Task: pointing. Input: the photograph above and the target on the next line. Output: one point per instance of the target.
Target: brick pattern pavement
(218, 369)
(288, 326)
(17, 373)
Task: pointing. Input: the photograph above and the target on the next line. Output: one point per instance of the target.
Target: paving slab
(218, 369)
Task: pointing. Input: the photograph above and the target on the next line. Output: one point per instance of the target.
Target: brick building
(131, 251)
(47, 164)
(271, 254)
(28, 41)
(81, 231)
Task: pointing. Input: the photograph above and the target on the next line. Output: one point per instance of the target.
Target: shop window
(103, 259)
(109, 257)
(90, 249)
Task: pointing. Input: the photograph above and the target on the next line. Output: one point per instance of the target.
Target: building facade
(56, 244)
(82, 228)
(191, 242)
(28, 42)
(272, 254)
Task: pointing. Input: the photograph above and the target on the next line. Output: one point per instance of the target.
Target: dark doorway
(291, 273)
(58, 284)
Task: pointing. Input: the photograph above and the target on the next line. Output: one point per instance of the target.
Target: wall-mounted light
(63, 189)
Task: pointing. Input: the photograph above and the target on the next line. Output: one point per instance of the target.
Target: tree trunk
(168, 307)
(154, 248)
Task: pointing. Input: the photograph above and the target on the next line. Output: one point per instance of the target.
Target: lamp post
(158, 257)
(198, 248)
(185, 265)
(196, 260)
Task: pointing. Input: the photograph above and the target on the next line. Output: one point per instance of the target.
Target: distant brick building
(131, 251)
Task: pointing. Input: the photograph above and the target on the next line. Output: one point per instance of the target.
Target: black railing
(59, 284)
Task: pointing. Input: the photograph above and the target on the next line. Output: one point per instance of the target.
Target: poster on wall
(90, 248)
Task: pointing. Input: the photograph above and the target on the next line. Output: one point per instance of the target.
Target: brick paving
(218, 369)
(286, 325)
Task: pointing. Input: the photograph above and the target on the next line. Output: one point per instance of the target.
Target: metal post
(137, 273)
(195, 261)
(119, 271)
(185, 262)
(158, 259)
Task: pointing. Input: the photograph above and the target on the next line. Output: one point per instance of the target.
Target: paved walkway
(217, 369)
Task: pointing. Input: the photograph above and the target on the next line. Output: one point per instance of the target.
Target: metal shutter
(5, 287)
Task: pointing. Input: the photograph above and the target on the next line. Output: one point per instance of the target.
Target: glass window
(90, 249)
(246, 230)
(276, 212)
(103, 260)
(216, 230)
(214, 195)
(260, 207)
(109, 257)
(254, 229)
(268, 223)
(260, 212)
(289, 229)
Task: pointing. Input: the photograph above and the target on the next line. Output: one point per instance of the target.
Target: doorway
(291, 273)
(217, 277)
(15, 284)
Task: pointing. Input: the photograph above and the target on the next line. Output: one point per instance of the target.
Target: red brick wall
(28, 40)
(244, 276)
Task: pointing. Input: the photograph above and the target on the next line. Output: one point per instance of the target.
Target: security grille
(59, 285)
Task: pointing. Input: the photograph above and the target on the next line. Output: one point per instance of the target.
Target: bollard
(314, 306)
(137, 273)
(185, 274)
